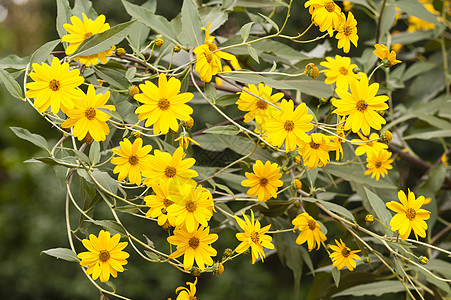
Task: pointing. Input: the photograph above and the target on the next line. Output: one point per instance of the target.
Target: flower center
(170, 171)
(193, 242)
(190, 206)
(167, 202)
(288, 125)
(104, 255)
(343, 71)
(329, 6)
(311, 224)
(347, 30)
(163, 104)
(378, 164)
(90, 113)
(411, 213)
(361, 105)
(212, 47)
(263, 181)
(254, 237)
(261, 104)
(346, 252)
(54, 85)
(314, 145)
(133, 160)
(208, 56)
(88, 34)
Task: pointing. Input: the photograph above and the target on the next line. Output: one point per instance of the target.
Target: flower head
(343, 256)
(315, 152)
(104, 256)
(185, 293)
(339, 70)
(368, 147)
(383, 53)
(54, 86)
(264, 182)
(163, 105)
(160, 202)
(325, 14)
(378, 163)
(347, 33)
(310, 231)
(409, 215)
(253, 236)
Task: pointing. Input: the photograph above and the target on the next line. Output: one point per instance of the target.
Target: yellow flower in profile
(184, 139)
(383, 53)
(409, 215)
(132, 160)
(343, 256)
(258, 109)
(289, 125)
(79, 31)
(264, 182)
(368, 147)
(164, 166)
(208, 57)
(163, 105)
(378, 163)
(316, 151)
(253, 236)
(86, 116)
(104, 256)
(160, 202)
(310, 231)
(416, 23)
(185, 293)
(194, 246)
(362, 105)
(347, 33)
(54, 86)
(226, 68)
(325, 14)
(340, 71)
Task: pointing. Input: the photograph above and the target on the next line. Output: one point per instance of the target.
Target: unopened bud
(195, 271)
(88, 139)
(369, 219)
(386, 137)
(218, 268)
(132, 91)
(262, 145)
(311, 70)
(171, 131)
(297, 159)
(423, 260)
(159, 41)
(356, 70)
(381, 112)
(136, 134)
(323, 100)
(366, 260)
(121, 52)
(228, 252)
(297, 184)
(188, 124)
(297, 204)
(177, 48)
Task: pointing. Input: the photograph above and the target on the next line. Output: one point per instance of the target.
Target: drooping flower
(310, 231)
(159, 203)
(325, 14)
(54, 86)
(343, 256)
(316, 151)
(164, 105)
(378, 163)
(384, 54)
(362, 106)
(185, 293)
(79, 31)
(347, 33)
(132, 160)
(409, 215)
(264, 182)
(104, 256)
(289, 125)
(87, 118)
(340, 71)
(194, 246)
(368, 147)
(253, 236)
(184, 139)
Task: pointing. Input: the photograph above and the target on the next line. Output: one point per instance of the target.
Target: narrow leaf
(63, 16)
(191, 23)
(111, 226)
(31, 137)
(273, 24)
(43, 52)
(94, 152)
(245, 30)
(227, 130)
(253, 53)
(379, 207)
(62, 253)
(11, 84)
(105, 181)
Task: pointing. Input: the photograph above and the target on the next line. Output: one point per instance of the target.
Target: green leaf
(104, 41)
(14, 62)
(417, 9)
(387, 20)
(152, 255)
(62, 253)
(380, 209)
(11, 84)
(411, 37)
(434, 182)
(94, 152)
(84, 6)
(245, 30)
(227, 99)
(138, 37)
(253, 53)
(114, 78)
(43, 52)
(68, 162)
(210, 90)
(273, 24)
(105, 180)
(336, 276)
(260, 3)
(434, 121)
(191, 23)
(427, 135)
(31, 137)
(418, 68)
(63, 16)
(227, 130)
(111, 226)
(337, 209)
(215, 15)
(373, 289)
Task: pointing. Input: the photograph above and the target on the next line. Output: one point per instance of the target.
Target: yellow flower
(378, 163)
(383, 53)
(347, 33)
(362, 106)
(187, 294)
(104, 256)
(208, 57)
(81, 30)
(132, 160)
(409, 215)
(340, 71)
(194, 246)
(254, 237)
(54, 86)
(310, 231)
(347, 5)
(163, 165)
(368, 147)
(264, 182)
(160, 202)
(444, 160)
(343, 256)
(289, 125)
(419, 24)
(325, 14)
(184, 139)
(163, 105)
(315, 152)
(87, 118)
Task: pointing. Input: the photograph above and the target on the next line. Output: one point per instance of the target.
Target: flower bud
(369, 219)
(159, 41)
(136, 134)
(177, 48)
(423, 260)
(323, 100)
(218, 268)
(366, 260)
(121, 52)
(132, 91)
(297, 159)
(297, 184)
(386, 63)
(88, 139)
(311, 70)
(381, 112)
(262, 145)
(195, 271)
(356, 70)
(188, 124)
(386, 137)
(228, 252)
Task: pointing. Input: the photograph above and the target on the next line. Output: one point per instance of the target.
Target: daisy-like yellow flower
(347, 33)
(325, 14)
(79, 31)
(132, 160)
(378, 163)
(163, 105)
(289, 125)
(316, 152)
(160, 202)
(253, 236)
(340, 71)
(208, 58)
(86, 116)
(185, 293)
(368, 147)
(362, 106)
(258, 109)
(343, 256)
(194, 246)
(264, 182)
(310, 231)
(104, 256)
(409, 215)
(54, 86)
(387, 57)
(164, 166)
(184, 139)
